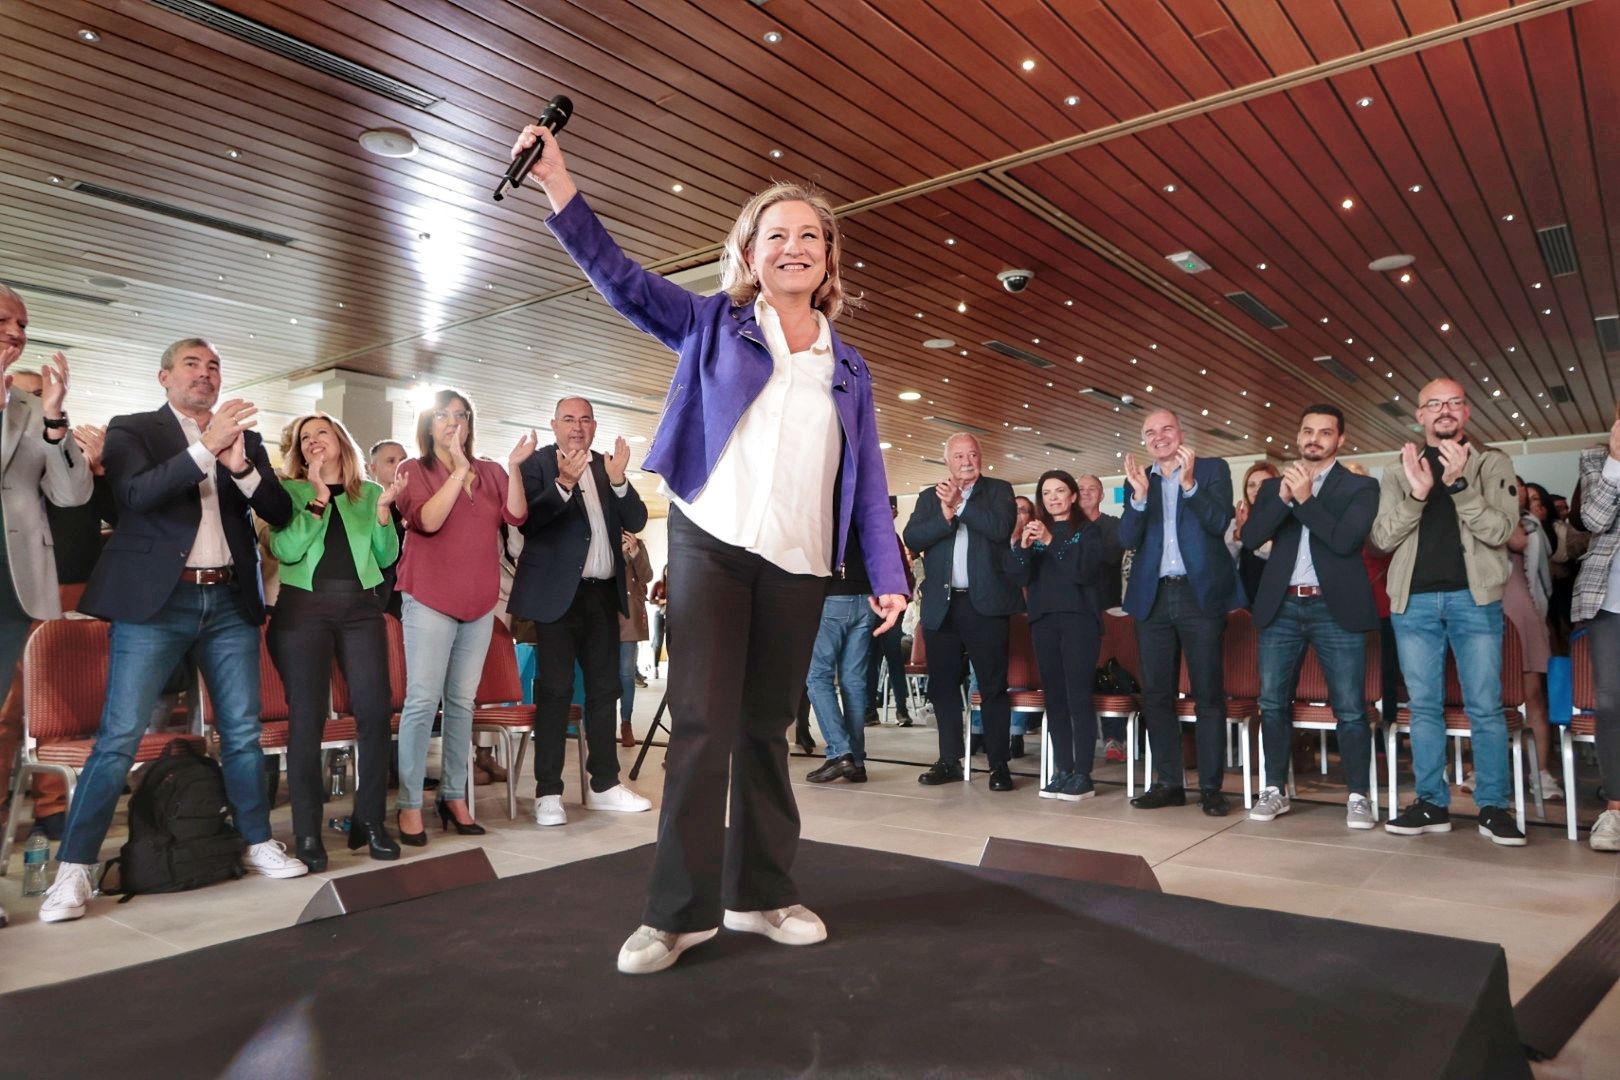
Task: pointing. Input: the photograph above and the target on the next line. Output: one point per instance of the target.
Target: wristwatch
(315, 507)
(1458, 485)
(245, 473)
(58, 423)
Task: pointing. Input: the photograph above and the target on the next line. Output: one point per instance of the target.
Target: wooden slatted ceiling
(689, 93)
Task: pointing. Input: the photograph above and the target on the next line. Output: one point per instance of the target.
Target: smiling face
(789, 253)
(450, 423)
(192, 380)
(1057, 499)
(1091, 495)
(1319, 437)
(1443, 411)
(316, 439)
(963, 458)
(1161, 434)
(13, 328)
(1251, 483)
(574, 426)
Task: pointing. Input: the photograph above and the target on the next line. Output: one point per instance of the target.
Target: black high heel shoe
(410, 839)
(447, 819)
(375, 837)
(312, 853)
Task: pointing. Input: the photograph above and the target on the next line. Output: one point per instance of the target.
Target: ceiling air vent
(1560, 394)
(1608, 328)
(1251, 306)
(299, 52)
(957, 425)
(1222, 433)
(1336, 369)
(934, 460)
(1016, 353)
(60, 294)
(1106, 398)
(152, 206)
(1060, 446)
(1394, 410)
(1557, 249)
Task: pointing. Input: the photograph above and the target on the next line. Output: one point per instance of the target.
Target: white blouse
(771, 490)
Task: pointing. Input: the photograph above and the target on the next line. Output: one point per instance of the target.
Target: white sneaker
(1272, 803)
(648, 950)
(618, 798)
(548, 810)
(68, 894)
(271, 859)
(1606, 831)
(1358, 813)
(3, 919)
(796, 925)
(1467, 782)
(1549, 787)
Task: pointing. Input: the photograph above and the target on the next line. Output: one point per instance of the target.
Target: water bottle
(36, 862)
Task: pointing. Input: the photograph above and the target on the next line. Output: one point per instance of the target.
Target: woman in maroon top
(452, 504)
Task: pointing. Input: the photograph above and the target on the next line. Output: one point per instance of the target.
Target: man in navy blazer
(570, 580)
(961, 526)
(1182, 585)
(180, 574)
(1315, 592)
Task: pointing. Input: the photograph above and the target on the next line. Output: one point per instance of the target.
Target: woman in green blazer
(332, 556)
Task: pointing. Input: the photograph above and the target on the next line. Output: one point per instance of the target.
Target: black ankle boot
(312, 853)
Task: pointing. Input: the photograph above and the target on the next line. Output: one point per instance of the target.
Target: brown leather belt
(209, 575)
(1304, 590)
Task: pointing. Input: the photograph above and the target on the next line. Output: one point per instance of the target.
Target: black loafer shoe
(1159, 796)
(832, 769)
(941, 772)
(1214, 803)
(1000, 779)
(856, 774)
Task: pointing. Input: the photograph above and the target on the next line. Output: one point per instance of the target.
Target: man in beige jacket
(1445, 512)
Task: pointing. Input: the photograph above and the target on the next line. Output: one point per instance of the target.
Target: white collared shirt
(599, 556)
(771, 490)
(959, 545)
(1304, 566)
(209, 549)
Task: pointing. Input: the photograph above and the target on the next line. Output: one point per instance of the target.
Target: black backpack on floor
(180, 834)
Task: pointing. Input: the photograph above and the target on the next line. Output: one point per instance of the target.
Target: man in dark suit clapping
(1314, 592)
(961, 527)
(571, 581)
(180, 573)
(1182, 585)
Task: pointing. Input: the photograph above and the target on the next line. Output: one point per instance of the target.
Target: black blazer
(1339, 518)
(1063, 575)
(1201, 523)
(989, 514)
(155, 482)
(557, 536)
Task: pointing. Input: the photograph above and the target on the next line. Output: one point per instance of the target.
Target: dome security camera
(1015, 281)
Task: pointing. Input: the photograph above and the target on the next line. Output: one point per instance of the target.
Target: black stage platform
(932, 970)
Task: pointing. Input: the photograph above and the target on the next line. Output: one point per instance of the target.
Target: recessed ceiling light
(1068, 303)
(1034, 341)
(1546, 311)
(1390, 262)
(1148, 388)
(1537, 285)
(1268, 438)
(1071, 101)
(950, 241)
(58, 180)
(961, 307)
(1496, 393)
(945, 380)
(1079, 359)
(1507, 217)
(1347, 203)
(1243, 393)
(1406, 279)
(773, 37)
(1028, 65)
(1515, 416)
(910, 395)
(1153, 346)
(388, 143)
(1513, 348)
(939, 343)
(964, 352)
(1204, 412)
(776, 153)
(677, 188)
(234, 154)
(1259, 266)
(1364, 102)
(1349, 341)
(919, 314)
(885, 446)
(1389, 374)
(1324, 320)
(1203, 371)
(340, 304)
(1445, 327)
(1415, 188)
(1572, 367)
(88, 36)
(1169, 189)
(1133, 359)
(293, 321)
(859, 265)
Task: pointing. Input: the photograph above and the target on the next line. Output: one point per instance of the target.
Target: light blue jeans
(444, 659)
(843, 646)
(1430, 622)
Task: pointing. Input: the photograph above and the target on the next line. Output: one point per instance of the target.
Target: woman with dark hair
(332, 555)
(769, 417)
(453, 504)
(1250, 564)
(1057, 558)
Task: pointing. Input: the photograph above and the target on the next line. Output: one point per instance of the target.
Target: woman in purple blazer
(767, 407)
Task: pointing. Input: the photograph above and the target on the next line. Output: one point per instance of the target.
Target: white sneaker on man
(68, 894)
(649, 950)
(617, 798)
(1550, 788)
(548, 810)
(796, 925)
(271, 859)
(1272, 803)
(1606, 832)
(1358, 813)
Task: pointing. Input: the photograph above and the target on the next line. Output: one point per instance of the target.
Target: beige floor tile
(1247, 890)
(1500, 883)
(37, 953)
(1323, 864)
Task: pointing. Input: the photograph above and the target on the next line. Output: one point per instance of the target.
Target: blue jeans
(206, 620)
(629, 653)
(1430, 622)
(444, 659)
(1302, 622)
(842, 649)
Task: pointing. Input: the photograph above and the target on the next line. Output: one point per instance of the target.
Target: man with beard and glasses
(1446, 514)
(1314, 592)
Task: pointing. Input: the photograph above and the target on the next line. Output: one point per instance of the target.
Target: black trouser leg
(587, 633)
(984, 639)
(362, 653)
(749, 628)
(1066, 646)
(303, 642)
(1176, 626)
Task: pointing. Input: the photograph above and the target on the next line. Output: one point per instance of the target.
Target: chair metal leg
(1390, 740)
(1243, 749)
(1372, 772)
(511, 774)
(1324, 753)
(1147, 764)
(967, 743)
(1518, 777)
(1046, 754)
(1535, 783)
(582, 780)
(1566, 746)
(1130, 755)
(1457, 776)
(19, 776)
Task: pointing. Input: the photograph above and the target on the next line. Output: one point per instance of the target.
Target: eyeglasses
(1455, 404)
(451, 414)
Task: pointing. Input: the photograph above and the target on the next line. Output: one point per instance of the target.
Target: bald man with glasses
(1445, 513)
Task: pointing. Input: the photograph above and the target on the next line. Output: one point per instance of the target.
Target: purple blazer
(724, 364)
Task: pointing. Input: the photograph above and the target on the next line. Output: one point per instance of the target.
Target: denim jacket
(723, 365)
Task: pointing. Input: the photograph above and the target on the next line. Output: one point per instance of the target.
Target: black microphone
(553, 117)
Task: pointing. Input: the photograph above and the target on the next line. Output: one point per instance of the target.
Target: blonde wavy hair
(742, 284)
(294, 467)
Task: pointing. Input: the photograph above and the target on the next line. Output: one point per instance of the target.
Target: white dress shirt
(1304, 566)
(771, 490)
(959, 545)
(209, 549)
(1170, 562)
(599, 556)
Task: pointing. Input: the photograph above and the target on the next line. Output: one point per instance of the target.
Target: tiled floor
(1536, 901)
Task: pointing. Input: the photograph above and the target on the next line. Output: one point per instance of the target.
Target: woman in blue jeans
(1058, 558)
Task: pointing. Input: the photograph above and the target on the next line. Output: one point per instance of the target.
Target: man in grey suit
(37, 455)
(961, 527)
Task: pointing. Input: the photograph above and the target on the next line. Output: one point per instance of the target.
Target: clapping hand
(949, 493)
(1418, 475)
(1296, 483)
(1186, 459)
(1453, 459)
(571, 465)
(1137, 476)
(1035, 532)
(457, 446)
(617, 462)
(390, 494)
(226, 426)
(54, 390)
(522, 451)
